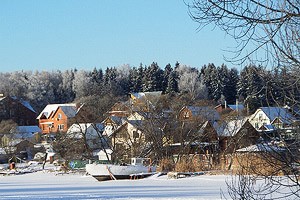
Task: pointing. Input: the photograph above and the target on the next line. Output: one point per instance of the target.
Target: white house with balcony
(278, 117)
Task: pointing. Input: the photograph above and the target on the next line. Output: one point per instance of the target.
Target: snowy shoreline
(50, 185)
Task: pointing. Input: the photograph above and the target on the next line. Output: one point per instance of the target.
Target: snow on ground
(50, 185)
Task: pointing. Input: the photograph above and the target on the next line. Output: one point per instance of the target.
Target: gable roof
(205, 111)
(267, 127)
(277, 112)
(76, 130)
(28, 129)
(69, 109)
(26, 104)
(230, 128)
(140, 95)
(236, 107)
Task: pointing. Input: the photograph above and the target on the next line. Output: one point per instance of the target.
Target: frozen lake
(45, 185)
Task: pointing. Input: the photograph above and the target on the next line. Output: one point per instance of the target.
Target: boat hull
(103, 172)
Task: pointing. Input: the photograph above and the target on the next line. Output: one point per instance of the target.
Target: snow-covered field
(46, 185)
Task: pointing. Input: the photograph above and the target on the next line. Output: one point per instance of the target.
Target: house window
(50, 126)
(186, 115)
(135, 134)
(61, 127)
(59, 116)
(260, 116)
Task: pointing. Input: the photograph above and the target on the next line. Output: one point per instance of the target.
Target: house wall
(58, 120)
(258, 119)
(246, 136)
(185, 114)
(127, 142)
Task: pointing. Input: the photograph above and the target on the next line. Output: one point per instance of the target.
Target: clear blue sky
(83, 34)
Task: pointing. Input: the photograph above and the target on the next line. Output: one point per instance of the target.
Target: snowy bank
(47, 185)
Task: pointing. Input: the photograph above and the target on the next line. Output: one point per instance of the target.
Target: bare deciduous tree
(259, 26)
(266, 31)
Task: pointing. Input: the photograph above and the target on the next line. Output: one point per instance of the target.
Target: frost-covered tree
(68, 94)
(190, 81)
(40, 89)
(82, 84)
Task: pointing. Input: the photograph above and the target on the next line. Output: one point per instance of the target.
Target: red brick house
(17, 110)
(56, 118)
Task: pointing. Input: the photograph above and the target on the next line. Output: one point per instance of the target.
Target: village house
(30, 133)
(233, 135)
(227, 108)
(236, 134)
(279, 117)
(128, 139)
(202, 146)
(90, 133)
(198, 113)
(17, 110)
(144, 101)
(112, 123)
(120, 109)
(56, 118)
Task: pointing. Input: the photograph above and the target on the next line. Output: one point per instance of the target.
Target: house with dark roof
(198, 113)
(56, 117)
(222, 108)
(236, 134)
(17, 110)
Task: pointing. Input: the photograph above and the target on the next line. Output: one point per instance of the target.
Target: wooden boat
(103, 172)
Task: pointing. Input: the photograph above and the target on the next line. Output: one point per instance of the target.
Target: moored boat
(104, 172)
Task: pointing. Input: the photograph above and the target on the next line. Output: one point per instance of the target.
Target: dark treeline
(253, 85)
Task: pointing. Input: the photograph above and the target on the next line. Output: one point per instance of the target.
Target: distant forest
(253, 85)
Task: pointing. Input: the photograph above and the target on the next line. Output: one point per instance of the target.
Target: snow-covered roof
(235, 107)
(205, 111)
(277, 112)
(230, 128)
(117, 120)
(77, 129)
(139, 95)
(267, 127)
(28, 129)
(261, 148)
(68, 109)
